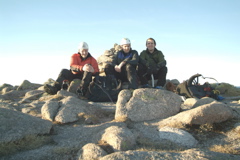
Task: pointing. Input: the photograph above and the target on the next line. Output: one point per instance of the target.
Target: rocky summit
(144, 123)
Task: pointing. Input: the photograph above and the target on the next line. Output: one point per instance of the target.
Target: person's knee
(130, 67)
(65, 73)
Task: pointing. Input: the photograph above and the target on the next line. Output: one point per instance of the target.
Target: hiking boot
(50, 89)
(159, 87)
(146, 86)
(81, 92)
(65, 85)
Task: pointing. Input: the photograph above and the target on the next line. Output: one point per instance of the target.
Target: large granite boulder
(13, 95)
(107, 57)
(202, 101)
(74, 85)
(16, 125)
(177, 136)
(32, 95)
(18, 128)
(190, 102)
(71, 107)
(147, 104)
(28, 85)
(5, 85)
(50, 109)
(184, 155)
(214, 112)
(91, 151)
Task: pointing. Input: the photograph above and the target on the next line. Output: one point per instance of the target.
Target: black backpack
(192, 89)
(104, 89)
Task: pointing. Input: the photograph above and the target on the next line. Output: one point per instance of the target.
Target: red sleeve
(76, 62)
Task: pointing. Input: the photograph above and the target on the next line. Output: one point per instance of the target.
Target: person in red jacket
(82, 66)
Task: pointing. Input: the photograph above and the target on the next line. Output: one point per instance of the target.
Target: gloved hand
(88, 68)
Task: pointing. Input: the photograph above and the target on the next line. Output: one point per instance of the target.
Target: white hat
(82, 45)
(125, 41)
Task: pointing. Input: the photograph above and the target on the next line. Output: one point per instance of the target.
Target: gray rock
(146, 133)
(69, 110)
(41, 88)
(26, 85)
(65, 141)
(13, 95)
(49, 110)
(116, 48)
(184, 155)
(121, 139)
(32, 108)
(91, 120)
(237, 127)
(105, 59)
(214, 112)
(123, 97)
(108, 53)
(91, 151)
(75, 137)
(65, 93)
(165, 138)
(74, 85)
(37, 104)
(235, 106)
(202, 101)
(5, 85)
(32, 95)
(26, 110)
(6, 89)
(177, 136)
(47, 152)
(190, 102)
(16, 125)
(71, 107)
(147, 104)
(7, 106)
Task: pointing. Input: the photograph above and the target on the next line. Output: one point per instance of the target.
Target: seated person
(124, 64)
(152, 62)
(82, 66)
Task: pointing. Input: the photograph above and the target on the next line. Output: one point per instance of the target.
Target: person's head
(83, 49)
(151, 44)
(126, 45)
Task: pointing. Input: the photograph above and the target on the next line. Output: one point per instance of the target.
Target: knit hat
(82, 45)
(125, 41)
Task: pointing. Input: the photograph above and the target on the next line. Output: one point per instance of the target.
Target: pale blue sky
(197, 36)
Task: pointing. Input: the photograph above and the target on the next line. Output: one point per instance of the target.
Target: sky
(37, 38)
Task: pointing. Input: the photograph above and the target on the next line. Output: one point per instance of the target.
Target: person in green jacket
(152, 62)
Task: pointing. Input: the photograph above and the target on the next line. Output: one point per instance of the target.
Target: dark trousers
(128, 74)
(144, 77)
(66, 74)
